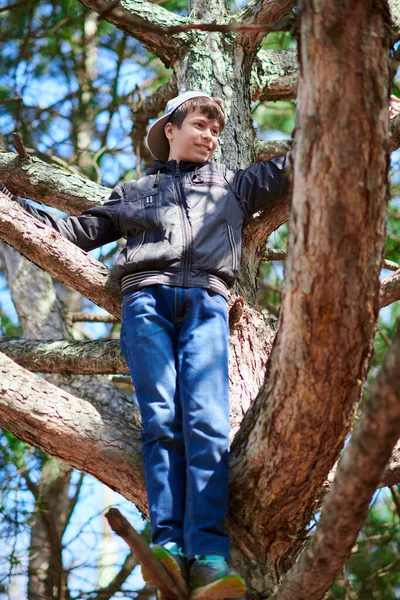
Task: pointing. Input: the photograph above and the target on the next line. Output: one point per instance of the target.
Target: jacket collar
(170, 166)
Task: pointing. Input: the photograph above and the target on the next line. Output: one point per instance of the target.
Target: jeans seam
(188, 478)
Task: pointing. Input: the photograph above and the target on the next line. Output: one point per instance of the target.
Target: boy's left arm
(262, 183)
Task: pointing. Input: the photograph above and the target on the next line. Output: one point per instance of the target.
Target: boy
(183, 224)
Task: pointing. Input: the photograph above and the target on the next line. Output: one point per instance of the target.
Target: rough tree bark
(346, 507)
(330, 301)
(295, 429)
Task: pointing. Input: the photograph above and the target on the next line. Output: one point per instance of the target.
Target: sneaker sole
(230, 586)
(171, 566)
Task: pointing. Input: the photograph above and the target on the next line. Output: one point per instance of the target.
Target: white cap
(156, 140)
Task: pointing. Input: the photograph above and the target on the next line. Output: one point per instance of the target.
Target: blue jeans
(175, 341)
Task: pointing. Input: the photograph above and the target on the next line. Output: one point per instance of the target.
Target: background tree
(291, 437)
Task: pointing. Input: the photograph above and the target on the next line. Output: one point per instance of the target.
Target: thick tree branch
(346, 507)
(274, 75)
(145, 21)
(149, 107)
(49, 250)
(37, 180)
(97, 441)
(66, 356)
(274, 254)
(260, 12)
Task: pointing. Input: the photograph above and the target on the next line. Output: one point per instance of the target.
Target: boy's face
(195, 141)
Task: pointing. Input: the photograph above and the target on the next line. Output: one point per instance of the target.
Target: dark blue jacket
(183, 222)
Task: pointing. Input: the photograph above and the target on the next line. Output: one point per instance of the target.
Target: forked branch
(358, 474)
(257, 12)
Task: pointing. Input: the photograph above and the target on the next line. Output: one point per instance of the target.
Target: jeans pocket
(129, 297)
(217, 299)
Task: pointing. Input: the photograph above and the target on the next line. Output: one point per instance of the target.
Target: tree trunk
(331, 289)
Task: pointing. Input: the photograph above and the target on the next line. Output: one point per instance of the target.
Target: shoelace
(214, 561)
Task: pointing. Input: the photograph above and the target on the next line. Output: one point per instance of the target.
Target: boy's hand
(394, 108)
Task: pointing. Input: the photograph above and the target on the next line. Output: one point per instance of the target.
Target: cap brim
(156, 140)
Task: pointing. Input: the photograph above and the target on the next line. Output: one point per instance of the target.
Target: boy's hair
(210, 107)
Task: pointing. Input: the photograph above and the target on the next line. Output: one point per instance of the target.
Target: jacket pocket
(234, 251)
(140, 212)
(132, 250)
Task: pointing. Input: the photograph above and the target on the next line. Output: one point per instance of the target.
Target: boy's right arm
(93, 228)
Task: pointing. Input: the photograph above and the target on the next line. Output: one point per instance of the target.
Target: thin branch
(268, 150)
(88, 317)
(72, 502)
(19, 146)
(396, 499)
(115, 584)
(274, 254)
(162, 579)
(385, 338)
(390, 289)
(359, 470)
(147, 22)
(14, 98)
(31, 485)
(390, 265)
(11, 6)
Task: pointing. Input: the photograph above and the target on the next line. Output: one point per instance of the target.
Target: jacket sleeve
(262, 183)
(93, 228)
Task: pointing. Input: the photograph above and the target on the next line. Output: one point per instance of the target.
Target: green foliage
(275, 116)
(271, 273)
(383, 338)
(373, 570)
(279, 40)
(392, 245)
(7, 327)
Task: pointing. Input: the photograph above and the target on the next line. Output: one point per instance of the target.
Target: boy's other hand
(394, 108)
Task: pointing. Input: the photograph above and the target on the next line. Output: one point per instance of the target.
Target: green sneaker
(212, 579)
(174, 562)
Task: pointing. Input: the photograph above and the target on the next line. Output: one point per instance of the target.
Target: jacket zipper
(233, 248)
(186, 228)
